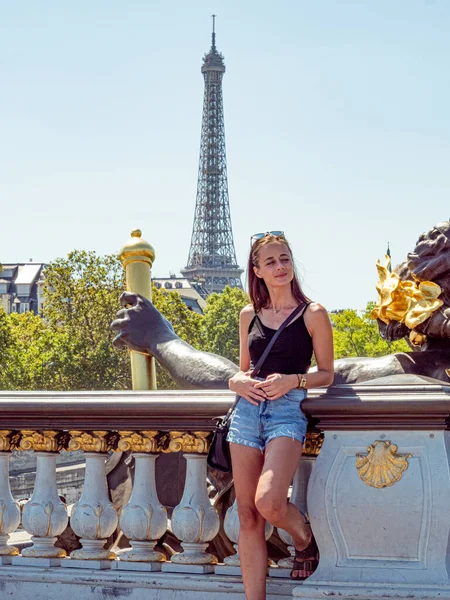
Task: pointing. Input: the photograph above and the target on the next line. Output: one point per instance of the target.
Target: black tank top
(291, 353)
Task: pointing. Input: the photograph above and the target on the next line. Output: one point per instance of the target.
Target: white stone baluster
(94, 518)
(231, 525)
(9, 509)
(143, 519)
(298, 497)
(195, 521)
(44, 515)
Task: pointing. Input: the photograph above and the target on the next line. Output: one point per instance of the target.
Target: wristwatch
(301, 381)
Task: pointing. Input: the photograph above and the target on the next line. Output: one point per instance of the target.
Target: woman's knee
(249, 518)
(271, 508)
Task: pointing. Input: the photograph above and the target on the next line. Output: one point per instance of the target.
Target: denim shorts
(255, 426)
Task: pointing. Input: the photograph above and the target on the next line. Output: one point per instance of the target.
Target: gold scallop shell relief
(382, 467)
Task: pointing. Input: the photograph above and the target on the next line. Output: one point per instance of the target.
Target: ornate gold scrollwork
(90, 441)
(313, 444)
(41, 441)
(408, 302)
(192, 443)
(139, 441)
(382, 466)
(9, 440)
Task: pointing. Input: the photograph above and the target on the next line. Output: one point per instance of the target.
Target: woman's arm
(245, 318)
(318, 324)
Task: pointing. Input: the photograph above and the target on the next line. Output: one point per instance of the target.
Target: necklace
(277, 310)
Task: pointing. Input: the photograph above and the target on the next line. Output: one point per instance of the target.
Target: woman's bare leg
(247, 464)
(281, 461)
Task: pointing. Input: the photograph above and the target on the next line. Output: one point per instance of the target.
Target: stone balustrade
(145, 424)
(377, 495)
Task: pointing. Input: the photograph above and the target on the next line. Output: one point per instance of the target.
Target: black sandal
(306, 560)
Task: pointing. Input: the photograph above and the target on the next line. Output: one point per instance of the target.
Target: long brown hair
(257, 288)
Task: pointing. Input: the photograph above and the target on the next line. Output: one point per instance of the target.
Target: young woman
(268, 427)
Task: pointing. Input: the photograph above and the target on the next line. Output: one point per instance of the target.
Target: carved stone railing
(378, 495)
(147, 424)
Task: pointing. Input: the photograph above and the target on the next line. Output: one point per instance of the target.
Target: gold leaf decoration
(202, 443)
(382, 467)
(9, 440)
(41, 441)
(139, 441)
(89, 441)
(191, 443)
(408, 302)
(313, 444)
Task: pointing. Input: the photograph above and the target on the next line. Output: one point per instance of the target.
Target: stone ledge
(370, 591)
(87, 584)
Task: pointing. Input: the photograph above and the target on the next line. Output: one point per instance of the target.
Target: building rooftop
(28, 273)
(184, 288)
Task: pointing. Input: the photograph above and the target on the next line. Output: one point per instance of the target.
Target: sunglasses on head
(259, 236)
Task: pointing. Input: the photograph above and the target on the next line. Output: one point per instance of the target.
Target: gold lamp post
(137, 257)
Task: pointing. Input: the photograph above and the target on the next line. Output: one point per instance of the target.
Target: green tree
(81, 298)
(356, 334)
(35, 359)
(186, 322)
(221, 322)
(71, 347)
(6, 346)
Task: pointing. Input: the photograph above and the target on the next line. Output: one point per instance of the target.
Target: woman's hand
(244, 385)
(276, 385)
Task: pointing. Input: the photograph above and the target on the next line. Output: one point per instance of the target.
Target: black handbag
(219, 456)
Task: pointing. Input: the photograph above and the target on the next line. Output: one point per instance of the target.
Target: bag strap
(300, 309)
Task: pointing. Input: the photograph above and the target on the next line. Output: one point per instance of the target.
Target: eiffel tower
(212, 263)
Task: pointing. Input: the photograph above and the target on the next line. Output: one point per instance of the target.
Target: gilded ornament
(41, 441)
(382, 466)
(191, 443)
(313, 444)
(417, 339)
(89, 441)
(9, 440)
(138, 441)
(137, 249)
(408, 302)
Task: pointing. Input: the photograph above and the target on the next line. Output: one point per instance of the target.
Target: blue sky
(336, 118)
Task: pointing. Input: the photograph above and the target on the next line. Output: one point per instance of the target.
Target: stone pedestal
(379, 508)
(25, 561)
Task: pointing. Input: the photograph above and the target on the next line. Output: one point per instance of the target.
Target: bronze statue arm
(141, 327)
